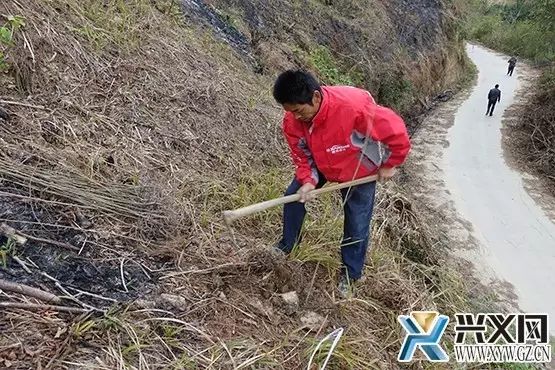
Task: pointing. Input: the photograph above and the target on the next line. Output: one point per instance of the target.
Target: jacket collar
(324, 107)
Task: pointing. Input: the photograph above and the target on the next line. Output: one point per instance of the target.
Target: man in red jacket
(337, 133)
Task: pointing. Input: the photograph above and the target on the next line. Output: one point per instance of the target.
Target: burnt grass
(130, 126)
(86, 270)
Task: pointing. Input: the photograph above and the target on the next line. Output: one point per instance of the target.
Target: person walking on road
(337, 133)
(512, 64)
(494, 97)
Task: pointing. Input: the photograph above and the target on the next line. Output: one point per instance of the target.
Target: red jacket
(350, 137)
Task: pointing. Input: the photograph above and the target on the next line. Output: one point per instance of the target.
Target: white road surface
(517, 237)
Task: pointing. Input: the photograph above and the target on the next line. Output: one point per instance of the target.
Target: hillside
(128, 126)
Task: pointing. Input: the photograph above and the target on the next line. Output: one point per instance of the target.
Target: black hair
(496, 86)
(295, 87)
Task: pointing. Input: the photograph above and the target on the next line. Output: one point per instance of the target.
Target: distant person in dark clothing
(512, 64)
(494, 96)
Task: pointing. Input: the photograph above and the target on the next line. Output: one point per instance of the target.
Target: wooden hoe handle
(232, 215)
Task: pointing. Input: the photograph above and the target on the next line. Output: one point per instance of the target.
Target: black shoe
(278, 250)
(346, 286)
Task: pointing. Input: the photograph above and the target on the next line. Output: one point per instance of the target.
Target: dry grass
(538, 124)
(133, 131)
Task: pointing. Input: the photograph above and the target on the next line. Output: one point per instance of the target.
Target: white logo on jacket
(338, 148)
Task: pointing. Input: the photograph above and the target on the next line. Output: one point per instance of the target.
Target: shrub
(7, 32)
(323, 61)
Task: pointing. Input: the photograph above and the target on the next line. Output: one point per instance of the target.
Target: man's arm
(389, 128)
(305, 169)
(499, 96)
(386, 126)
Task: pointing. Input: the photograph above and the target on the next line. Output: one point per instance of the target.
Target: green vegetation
(6, 249)
(111, 22)
(323, 61)
(7, 32)
(524, 28)
(323, 230)
(118, 22)
(396, 91)
(250, 187)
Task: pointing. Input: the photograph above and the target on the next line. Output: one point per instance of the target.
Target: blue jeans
(356, 228)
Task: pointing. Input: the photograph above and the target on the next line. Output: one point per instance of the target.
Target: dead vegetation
(537, 122)
(403, 52)
(129, 131)
(226, 310)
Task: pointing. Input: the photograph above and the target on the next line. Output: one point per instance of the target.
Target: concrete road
(517, 237)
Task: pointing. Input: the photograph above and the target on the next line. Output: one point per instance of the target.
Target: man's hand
(385, 174)
(304, 190)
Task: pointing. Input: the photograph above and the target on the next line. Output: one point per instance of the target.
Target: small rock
(312, 321)
(222, 295)
(174, 301)
(290, 298)
(4, 114)
(291, 301)
(144, 304)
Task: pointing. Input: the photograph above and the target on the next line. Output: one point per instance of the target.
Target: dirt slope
(400, 50)
(133, 124)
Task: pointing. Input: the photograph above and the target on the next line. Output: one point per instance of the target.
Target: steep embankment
(132, 124)
(399, 50)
